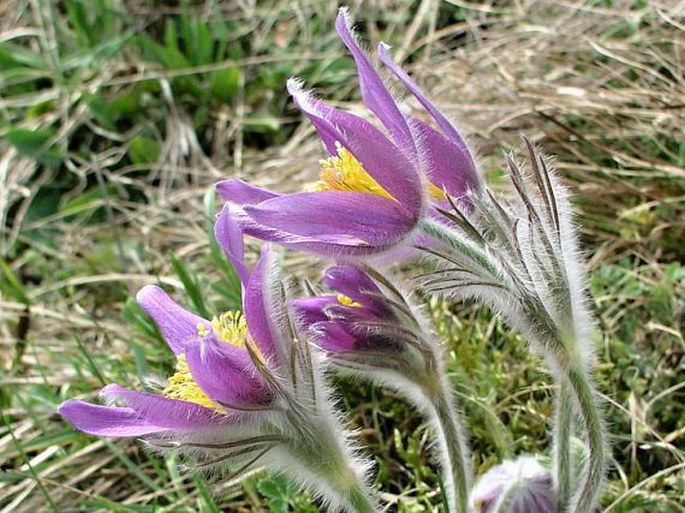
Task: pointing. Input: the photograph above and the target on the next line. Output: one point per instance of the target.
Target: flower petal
(333, 337)
(356, 284)
(225, 373)
(242, 193)
(312, 310)
(374, 93)
(409, 83)
(378, 156)
(446, 165)
(230, 237)
(167, 414)
(256, 306)
(100, 420)
(178, 326)
(317, 112)
(335, 246)
(365, 218)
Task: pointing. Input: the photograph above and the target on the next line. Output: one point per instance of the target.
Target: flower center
(436, 192)
(343, 172)
(347, 301)
(182, 386)
(231, 328)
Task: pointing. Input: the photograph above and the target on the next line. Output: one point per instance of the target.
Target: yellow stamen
(436, 192)
(348, 301)
(182, 386)
(231, 328)
(345, 173)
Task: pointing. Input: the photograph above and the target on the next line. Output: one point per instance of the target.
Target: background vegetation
(116, 116)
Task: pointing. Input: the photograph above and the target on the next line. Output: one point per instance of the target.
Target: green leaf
(88, 200)
(11, 286)
(34, 143)
(225, 83)
(190, 283)
(143, 150)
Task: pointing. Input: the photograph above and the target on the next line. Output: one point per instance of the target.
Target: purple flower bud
(520, 486)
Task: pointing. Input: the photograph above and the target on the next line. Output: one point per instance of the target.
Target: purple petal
(365, 218)
(256, 306)
(409, 83)
(178, 326)
(374, 93)
(357, 285)
(230, 237)
(339, 247)
(378, 156)
(317, 112)
(242, 193)
(349, 280)
(106, 420)
(225, 373)
(446, 165)
(333, 337)
(312, 310)
(167, 414)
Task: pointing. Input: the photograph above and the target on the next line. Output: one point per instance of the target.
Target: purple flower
(224, 376)
(368, 329)
(246, 387)
(374, 188)
(217, 379)
(521, 486)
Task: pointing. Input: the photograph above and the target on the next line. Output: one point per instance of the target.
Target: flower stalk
(454, 454)
(561, 457)
(592, 477)
(521, 258)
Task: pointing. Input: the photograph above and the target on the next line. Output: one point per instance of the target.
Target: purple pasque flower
(371, 330)
(246, 389)
(520, 486)
(221, 380)
(368, 327)
(374, 188)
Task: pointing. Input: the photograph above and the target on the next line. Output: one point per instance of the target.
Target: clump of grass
(117, 116)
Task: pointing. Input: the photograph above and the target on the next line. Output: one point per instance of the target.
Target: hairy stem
(454, 457)
(585, 498)
(562, 446)
(360, 502)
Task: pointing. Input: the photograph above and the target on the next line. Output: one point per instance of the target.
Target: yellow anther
(182, 386)
(348, 301)
(436, 192)
(345, 173)
(231, 328)
(202, 330)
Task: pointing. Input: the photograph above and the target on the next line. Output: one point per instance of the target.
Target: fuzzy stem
(562, 446)
(593, 472)
(453, 449)
(359, 501)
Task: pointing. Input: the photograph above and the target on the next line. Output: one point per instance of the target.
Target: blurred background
(117, 116)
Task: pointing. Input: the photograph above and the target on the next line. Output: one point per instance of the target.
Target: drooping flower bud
(519, 486)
